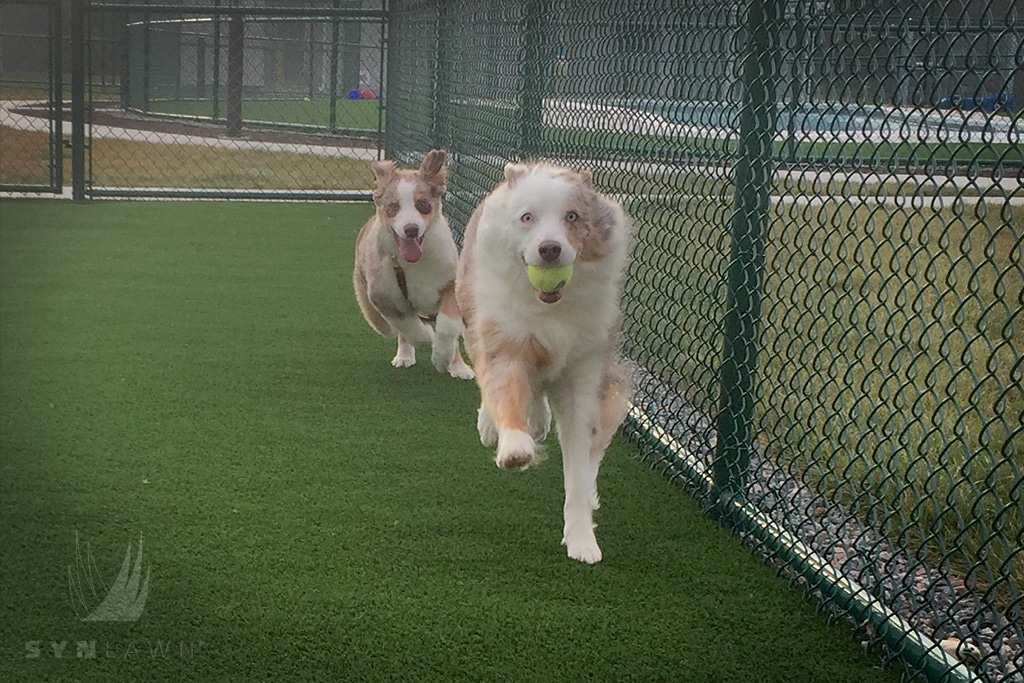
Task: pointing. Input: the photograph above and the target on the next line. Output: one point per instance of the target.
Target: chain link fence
(30, 68)
(826, 295)
(217, 98)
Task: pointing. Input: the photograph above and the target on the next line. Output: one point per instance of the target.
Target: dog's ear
(433, 162)
(610, 217)
(587, 177)
(434, 172)
(382, 171)
(514, 172)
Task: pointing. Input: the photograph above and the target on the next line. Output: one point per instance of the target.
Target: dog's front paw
(581, 544)
(516, 450)
(404, 359)
(485, 428)
(459, 370)
(441, 356)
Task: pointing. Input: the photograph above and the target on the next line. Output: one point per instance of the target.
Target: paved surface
(11, 118)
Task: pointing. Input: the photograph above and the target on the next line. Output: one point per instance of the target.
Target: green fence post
(78, 99)
(439, 131)
(236, 61)
(56, 99)
(531, 100)
(310, 87)
(390, 80)
(332, 115)
(125, 85)
(753, 178)
(796, 69)
(216, 63)
(200, 68)
(352, 37)
(145, 62)
(381, 79)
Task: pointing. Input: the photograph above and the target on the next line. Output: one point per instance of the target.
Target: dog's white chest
(424, 282)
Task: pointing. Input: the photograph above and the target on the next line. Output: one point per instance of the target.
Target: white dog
(527, 346)
(405, 265)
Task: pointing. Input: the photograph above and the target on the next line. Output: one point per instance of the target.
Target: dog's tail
(370, 313)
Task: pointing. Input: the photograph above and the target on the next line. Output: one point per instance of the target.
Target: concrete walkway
(12, 119)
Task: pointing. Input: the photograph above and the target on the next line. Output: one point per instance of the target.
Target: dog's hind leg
(540, 418)
(370, 313)
(485, 428)
(412, 332)
(406, 355)
(445, 352)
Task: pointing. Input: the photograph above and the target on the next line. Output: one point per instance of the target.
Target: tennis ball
(549, 279)
(306, 98)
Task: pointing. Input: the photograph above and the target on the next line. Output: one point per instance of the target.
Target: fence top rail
(326, 12)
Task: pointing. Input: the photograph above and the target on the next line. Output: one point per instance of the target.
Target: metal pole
(796, 83)
(177, 67)
(309, 90)
(200, 67)
(350, 66)
(126, 73)
(236, 39)
(332, 116)
(753, 177)
(57, 99)
(78, 100)
(145, 62)
(531, 97)
(442, 84)
(382, 75)
(216, 64)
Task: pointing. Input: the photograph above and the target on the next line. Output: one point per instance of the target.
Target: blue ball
(354, 94)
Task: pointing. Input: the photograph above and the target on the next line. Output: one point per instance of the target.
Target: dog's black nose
(411, 231)
(550, 251)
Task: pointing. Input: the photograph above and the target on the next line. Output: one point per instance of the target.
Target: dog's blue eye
(526, 217)
(571, 216)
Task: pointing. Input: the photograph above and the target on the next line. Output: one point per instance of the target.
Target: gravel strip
(936, 602)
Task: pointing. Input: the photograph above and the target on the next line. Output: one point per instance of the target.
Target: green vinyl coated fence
(825, 301)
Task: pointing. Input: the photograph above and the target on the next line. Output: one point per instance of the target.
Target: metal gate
(31, 96)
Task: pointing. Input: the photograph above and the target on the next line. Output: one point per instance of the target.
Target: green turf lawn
(198, 373)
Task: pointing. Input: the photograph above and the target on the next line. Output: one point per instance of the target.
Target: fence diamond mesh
(827, 288)
(237, 99)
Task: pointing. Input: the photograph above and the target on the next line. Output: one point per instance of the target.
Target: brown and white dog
(405, 265)
(527, 347)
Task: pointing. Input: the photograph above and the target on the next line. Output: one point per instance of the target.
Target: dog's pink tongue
(410, 250)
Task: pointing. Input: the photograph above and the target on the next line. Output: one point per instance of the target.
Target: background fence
(826, 294)
(210, 99)
(825, 303)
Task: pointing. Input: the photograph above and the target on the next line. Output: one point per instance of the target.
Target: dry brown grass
(138, 164)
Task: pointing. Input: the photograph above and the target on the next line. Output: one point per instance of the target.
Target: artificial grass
(198, 373)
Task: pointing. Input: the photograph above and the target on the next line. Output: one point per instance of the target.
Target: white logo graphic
(124, 600)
